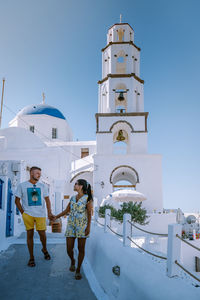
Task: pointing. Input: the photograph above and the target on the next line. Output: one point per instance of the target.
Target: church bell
(121, 96)
(120, 136)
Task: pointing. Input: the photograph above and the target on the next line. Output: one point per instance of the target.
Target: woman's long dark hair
(86, 188)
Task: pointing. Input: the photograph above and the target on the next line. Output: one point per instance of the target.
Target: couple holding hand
(33, 196)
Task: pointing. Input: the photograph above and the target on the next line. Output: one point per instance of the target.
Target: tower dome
(41, 109)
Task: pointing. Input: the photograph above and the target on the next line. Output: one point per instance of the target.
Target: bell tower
(121, 88)
(121, 99)
(121, 158)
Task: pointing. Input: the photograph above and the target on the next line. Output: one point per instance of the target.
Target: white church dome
(41, 109)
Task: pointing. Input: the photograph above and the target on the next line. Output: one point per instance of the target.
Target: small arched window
(120, 59)
(121, 62)
(54, 133)
(120, 35)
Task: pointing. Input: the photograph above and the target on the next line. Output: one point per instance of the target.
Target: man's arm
(48, 204)
(18, 204)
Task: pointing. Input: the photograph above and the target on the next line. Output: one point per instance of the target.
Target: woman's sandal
(46, 255)
(72, 267)
(31, 262)
(78, 276)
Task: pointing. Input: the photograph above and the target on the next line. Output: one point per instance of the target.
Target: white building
(40, 135)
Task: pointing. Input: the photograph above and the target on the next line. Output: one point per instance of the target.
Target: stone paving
(48, 280)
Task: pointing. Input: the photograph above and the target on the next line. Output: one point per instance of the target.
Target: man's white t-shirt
(32, 198)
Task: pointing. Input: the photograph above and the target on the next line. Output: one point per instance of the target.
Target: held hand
(87, 231)
(51, 216)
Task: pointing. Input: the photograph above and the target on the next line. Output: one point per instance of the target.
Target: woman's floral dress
(77, 220)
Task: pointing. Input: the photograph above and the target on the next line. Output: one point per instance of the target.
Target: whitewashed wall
(149, 168)
(140, 277)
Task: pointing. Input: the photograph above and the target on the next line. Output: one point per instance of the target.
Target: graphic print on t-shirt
(34, 196)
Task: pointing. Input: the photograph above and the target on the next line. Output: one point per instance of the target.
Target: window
(120, 35)
(121, 62)
(1, 193)
(32, 128)
(84, 152)
(54, 133)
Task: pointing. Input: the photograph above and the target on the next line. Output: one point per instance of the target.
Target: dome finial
(120, 17)
(43, 98)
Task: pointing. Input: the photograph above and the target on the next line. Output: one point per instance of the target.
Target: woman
(79, 220)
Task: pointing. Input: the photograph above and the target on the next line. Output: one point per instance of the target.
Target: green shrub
(138, 214)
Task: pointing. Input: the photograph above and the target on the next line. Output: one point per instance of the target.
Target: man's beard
(36, 179)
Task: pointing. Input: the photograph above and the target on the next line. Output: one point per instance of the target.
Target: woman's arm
(89, 208)
(64, 212)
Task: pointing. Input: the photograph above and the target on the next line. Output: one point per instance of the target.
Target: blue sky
(54, 46)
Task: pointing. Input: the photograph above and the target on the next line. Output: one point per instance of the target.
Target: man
(33, 195)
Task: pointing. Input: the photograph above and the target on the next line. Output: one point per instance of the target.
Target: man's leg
(30, 234)
(41, 229)
(70, 251)
(29, 224)
(81, 253)
(43, 239)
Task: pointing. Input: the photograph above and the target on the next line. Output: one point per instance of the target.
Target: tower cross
(120, 18)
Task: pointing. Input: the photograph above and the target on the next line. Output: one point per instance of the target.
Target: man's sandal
(46, 255)
(31, 262)
(78, 276)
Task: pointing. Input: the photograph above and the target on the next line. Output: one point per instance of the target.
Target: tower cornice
(120, 25)
(133, 114)
(121, 76)
(122, 43)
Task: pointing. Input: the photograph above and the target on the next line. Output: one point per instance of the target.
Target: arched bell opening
(120, 98)
(121, 137)
(123, 184)
(124, 177)
(120, 140)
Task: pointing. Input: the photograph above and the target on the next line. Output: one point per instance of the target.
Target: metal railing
(99, 223)
(152, 233)
(179, 237)
(188, 272)
(149, 232)
(118, 234)
(130, 238)
(153, 254)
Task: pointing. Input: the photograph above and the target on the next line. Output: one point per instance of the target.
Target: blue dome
(41, 109)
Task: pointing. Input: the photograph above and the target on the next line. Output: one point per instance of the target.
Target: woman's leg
(70, 249)
(81, 253)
